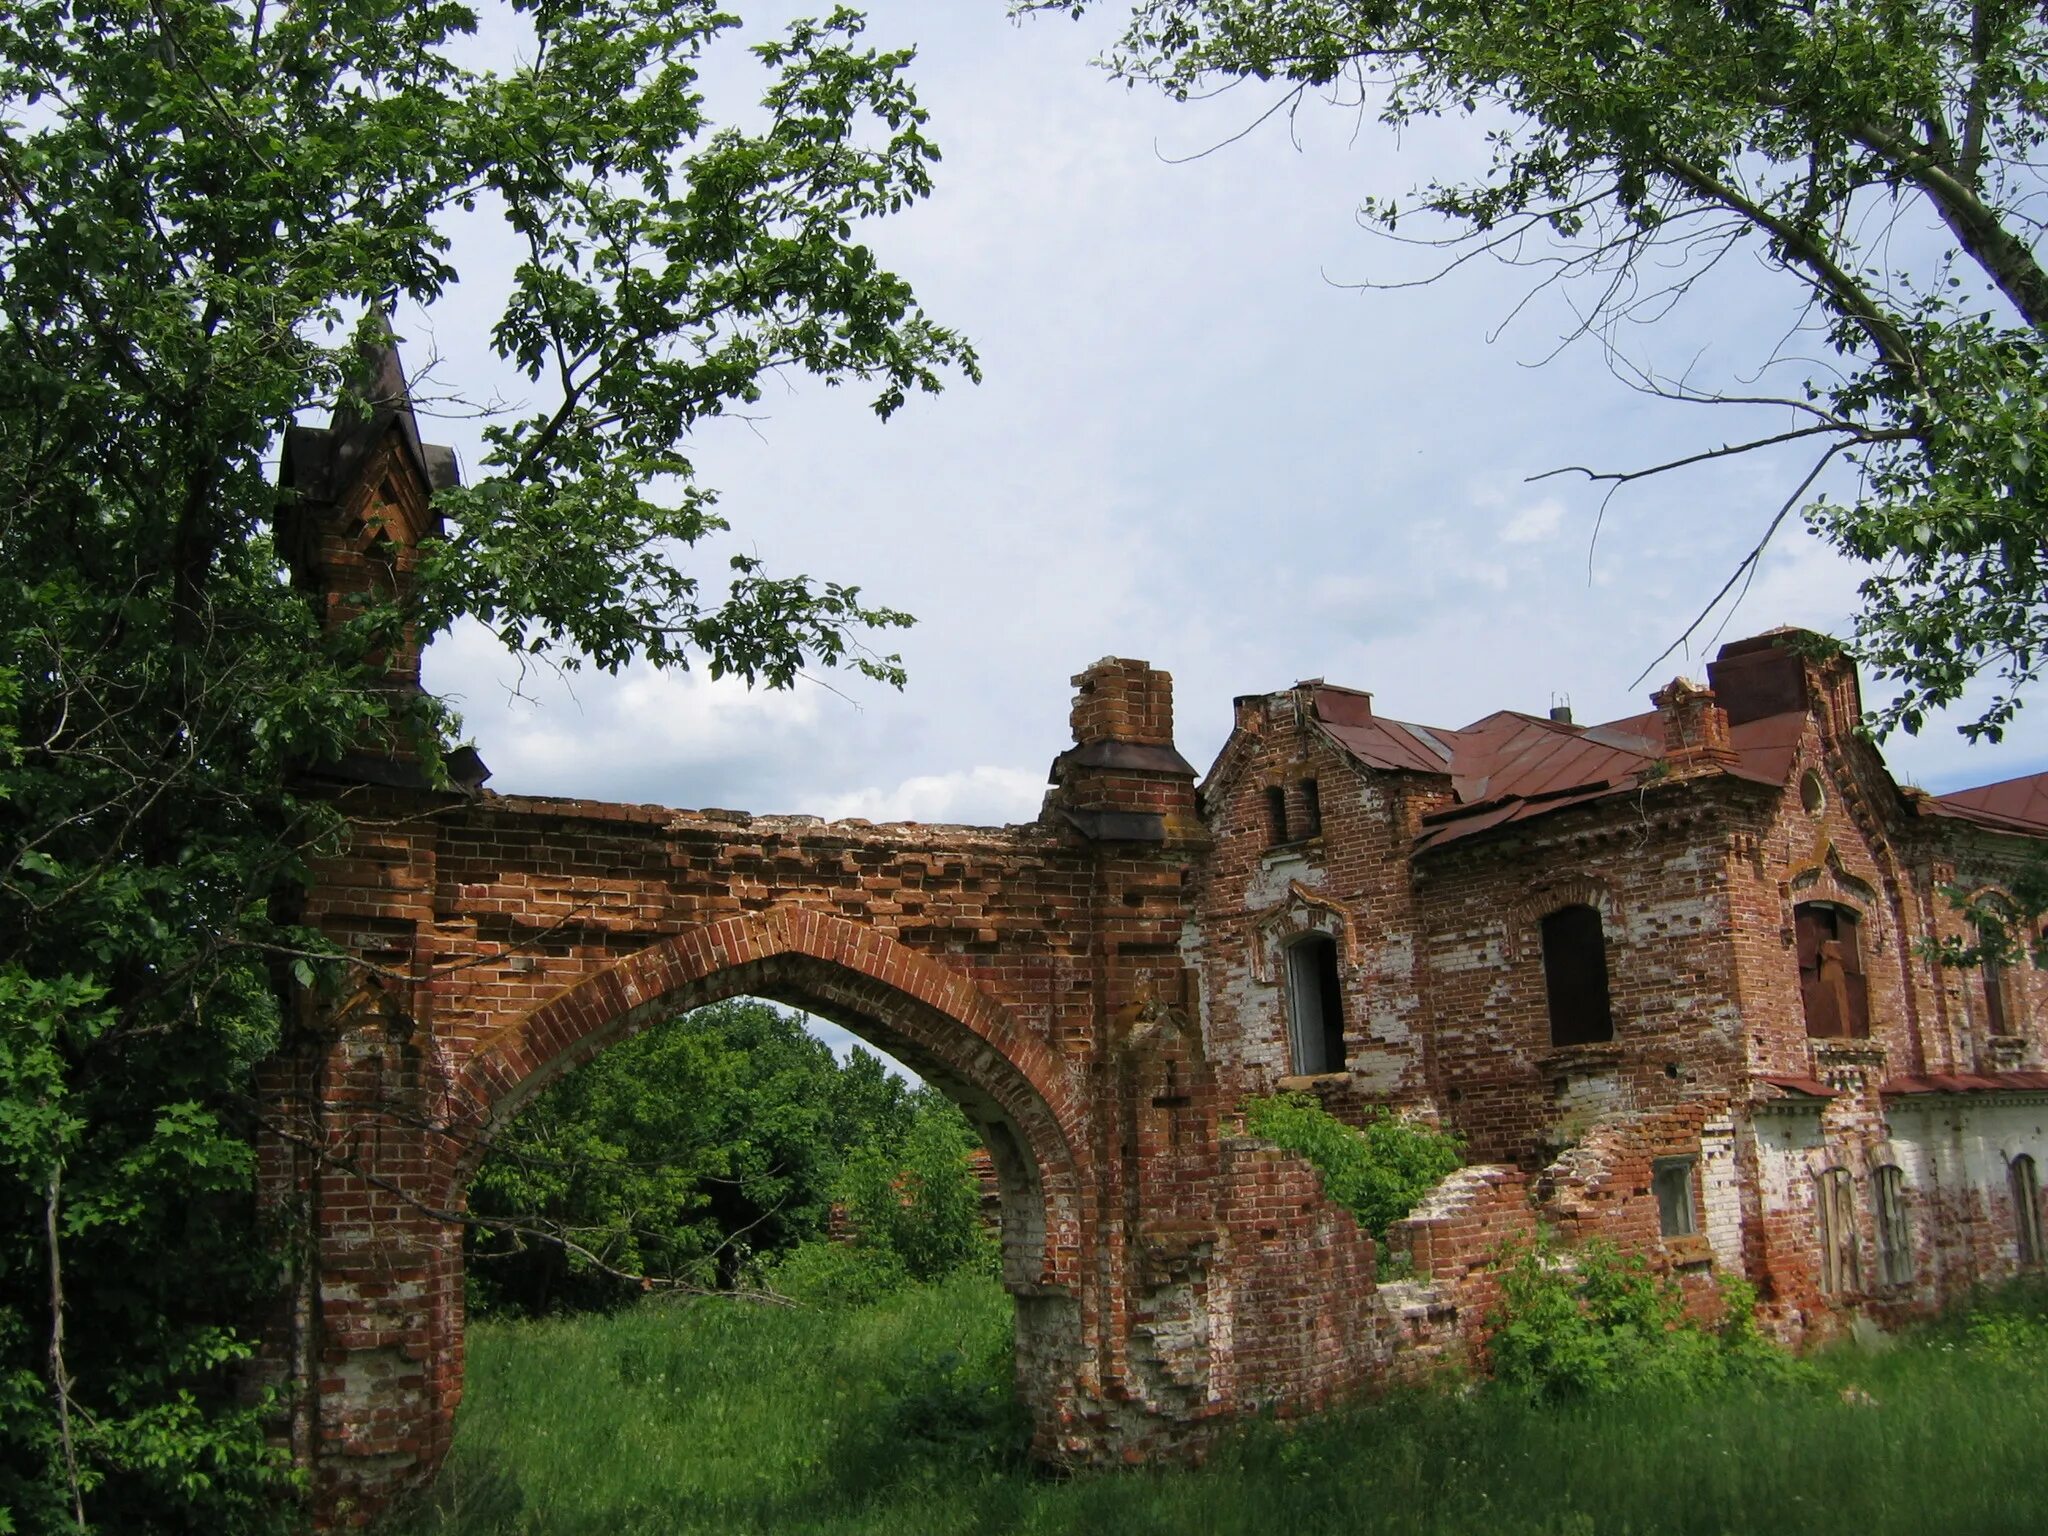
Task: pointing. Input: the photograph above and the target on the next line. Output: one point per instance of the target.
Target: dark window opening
(1311, 808)
(1575, 977)
(1315, 1003)
(1831, 973)
(1276, 813)
(1672, 1179)
(1994, 996)
(1894, 1239)
(1835, 1193)
(2026, 1208)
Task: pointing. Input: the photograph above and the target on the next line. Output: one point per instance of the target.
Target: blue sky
(1199, 442)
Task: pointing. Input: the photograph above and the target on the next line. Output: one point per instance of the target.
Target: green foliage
(198, 200)
(920, 1201)
(1380, 1172)
(1592, 1322)
(707, 1153)
(676, 1420)
(1634, 144)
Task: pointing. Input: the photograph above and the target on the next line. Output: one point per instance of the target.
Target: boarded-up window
(1575, 976)
(1836, 1196)
(2026, 1207)
(1276, 814)
(1672, 1179)
(1315, 1006)
(1831, 972)
(1311, 808)
(1894, 1238)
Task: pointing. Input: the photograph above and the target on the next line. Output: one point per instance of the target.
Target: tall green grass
(896, 1419)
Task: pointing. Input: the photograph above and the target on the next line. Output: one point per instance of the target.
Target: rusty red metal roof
(2014, 805)
(1966, 1082)
(1509, 766)
(1801, 1087)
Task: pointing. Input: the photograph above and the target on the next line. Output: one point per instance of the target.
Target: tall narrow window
(2026, 1207)
(1276, 814)
(1315, 1006)
(1836, 1196)
(1575, 976)
(1672, 1178)
(1831, 972)
(1311, 808)
(1994, 996)
(1894, 1238)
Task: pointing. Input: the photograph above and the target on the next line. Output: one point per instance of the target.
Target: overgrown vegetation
(672, 1419)
(707, 1154)
(200, 203)
(1594, 1322)
(1380, 1171)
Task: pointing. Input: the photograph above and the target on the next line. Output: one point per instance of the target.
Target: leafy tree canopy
(198, 200)
(1885, 155)
(679, 1157)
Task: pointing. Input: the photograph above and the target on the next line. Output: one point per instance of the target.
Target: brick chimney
(1122, 780)
(1696, 738)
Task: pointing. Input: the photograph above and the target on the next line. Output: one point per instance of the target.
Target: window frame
(1835, 1204)
(1686, 1208)
(2023, 1181)
(1578, 990)
(1894, 1230)
(1829, 1015)
(1315, 1005)
(1276, 816)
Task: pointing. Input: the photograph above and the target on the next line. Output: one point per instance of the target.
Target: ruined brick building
(1668, 976)
(1665, 975)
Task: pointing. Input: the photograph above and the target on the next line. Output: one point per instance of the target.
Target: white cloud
(982, 796)
(1534, 524)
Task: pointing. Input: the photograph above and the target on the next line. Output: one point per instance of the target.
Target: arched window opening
(1276, 815)
(1315, 1006)
(1831, 972)
(1311, 809)
(1894, 1238)
(2026, 1208)
(1835, 1194)
(1575, 976)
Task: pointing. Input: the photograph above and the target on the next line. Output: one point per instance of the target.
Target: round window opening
(1812, 794)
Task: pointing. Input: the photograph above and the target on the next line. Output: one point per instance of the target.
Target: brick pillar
(1122, 780)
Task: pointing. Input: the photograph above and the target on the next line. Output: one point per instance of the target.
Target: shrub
(1594, 1322)
(921, 1203)
(825, 1273)
(1380, 1172)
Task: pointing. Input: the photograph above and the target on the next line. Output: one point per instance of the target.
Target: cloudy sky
(1200, 442)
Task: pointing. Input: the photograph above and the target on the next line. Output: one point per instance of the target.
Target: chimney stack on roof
(1696, 737)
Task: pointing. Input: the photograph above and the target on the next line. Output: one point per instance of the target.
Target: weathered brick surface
(1100, 989)
(1695, 864)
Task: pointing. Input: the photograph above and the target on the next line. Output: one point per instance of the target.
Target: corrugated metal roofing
(1509, 766)
(2019, 805)
(1967, 1082)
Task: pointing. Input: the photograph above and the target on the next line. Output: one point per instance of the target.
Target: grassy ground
(896, 1419)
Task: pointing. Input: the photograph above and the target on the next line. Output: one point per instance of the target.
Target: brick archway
(940, 1024)
(1166, 1275)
